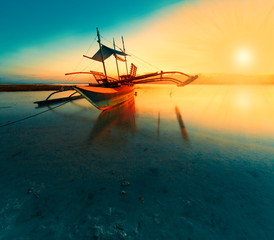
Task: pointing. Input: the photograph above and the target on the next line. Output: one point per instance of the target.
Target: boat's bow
(104, 98)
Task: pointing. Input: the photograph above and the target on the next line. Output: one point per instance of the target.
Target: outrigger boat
(108, 91)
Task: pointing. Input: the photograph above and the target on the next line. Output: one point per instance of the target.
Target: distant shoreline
(55, 87)
(32, 87)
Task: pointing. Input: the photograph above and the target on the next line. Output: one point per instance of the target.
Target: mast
(100, 45)
(125, 51)
(116, 60)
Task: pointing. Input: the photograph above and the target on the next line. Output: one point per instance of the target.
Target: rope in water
(34, 115)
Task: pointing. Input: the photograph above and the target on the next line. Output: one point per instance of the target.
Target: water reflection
(80, 112)
(201, 185)
(245, 110)
(180, 121)
(114, 124)
(181, 124)
(158, 124)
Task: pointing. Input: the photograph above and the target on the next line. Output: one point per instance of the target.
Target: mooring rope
(34, 115)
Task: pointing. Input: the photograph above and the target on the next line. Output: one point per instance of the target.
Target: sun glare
(243, 57)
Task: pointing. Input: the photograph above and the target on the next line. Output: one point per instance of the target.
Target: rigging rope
(134, 56)
(72, 77)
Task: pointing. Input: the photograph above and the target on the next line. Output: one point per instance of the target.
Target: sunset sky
(44, 40)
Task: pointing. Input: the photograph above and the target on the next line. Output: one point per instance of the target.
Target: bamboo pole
(124, 52)
(100, 45)
(116, 60)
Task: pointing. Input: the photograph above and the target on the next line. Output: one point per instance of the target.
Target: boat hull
(106, 98)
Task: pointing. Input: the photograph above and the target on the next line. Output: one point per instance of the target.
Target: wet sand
(177, 163)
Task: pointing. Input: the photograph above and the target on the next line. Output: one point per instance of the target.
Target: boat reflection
(181, 124)
(114, 124)
(241, 110)
(158, 125)
(80, 112)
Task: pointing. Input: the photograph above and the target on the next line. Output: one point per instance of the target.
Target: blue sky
(30, 22)
(44, 40)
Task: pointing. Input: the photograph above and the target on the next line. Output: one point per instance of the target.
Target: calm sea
(176, 163)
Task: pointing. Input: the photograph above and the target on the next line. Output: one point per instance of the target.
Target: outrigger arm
(48, 101)
(158, 77)
(153, 77)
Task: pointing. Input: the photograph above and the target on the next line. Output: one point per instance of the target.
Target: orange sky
(224, 36)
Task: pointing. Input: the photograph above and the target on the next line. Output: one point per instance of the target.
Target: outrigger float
(108, 91)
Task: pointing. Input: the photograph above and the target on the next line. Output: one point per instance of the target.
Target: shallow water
(177, 163)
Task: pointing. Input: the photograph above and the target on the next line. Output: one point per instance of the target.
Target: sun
(243, 57)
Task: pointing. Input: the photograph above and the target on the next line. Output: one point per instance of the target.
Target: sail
(118, 58)
(106, 52)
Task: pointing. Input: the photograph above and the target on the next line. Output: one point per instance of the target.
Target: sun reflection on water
(242, 100)
(234, 109)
